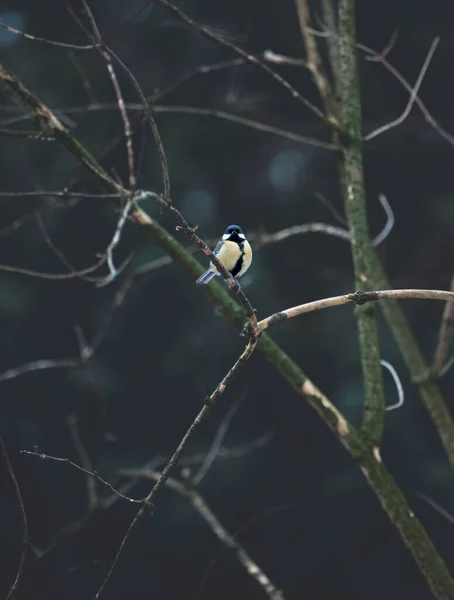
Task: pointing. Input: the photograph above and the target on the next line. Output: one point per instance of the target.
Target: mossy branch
(355, 207)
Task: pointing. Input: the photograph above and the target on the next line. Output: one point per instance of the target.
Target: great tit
(233, 251)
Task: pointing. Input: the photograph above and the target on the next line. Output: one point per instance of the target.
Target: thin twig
(86, 351)
(200, 505)
(60, 194)
(211, 455)
(114, 243)
(194, 110)
(437, 507)
(280, 59)
(104, 51)
(54, 276)
(444, 336)
(386, 50)
(198, 458)
(18, 222)
(381, 58)
(412, 98)
(45, 40)
(92, 493)
(209, 33)
(399, 387)
(447, 366)
(90, 473)
(220, 114)
(148, 501)
(355, 298)
(314, 61)
(329, 16)
(24, 545)
(378, 239)
(39, 365)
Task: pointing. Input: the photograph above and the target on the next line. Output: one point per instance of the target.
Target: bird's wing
(218, 247)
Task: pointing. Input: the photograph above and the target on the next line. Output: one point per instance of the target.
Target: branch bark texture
(355, 207)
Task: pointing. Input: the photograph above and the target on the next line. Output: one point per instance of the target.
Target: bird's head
(233, 233)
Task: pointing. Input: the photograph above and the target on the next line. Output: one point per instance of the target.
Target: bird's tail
(206, 277)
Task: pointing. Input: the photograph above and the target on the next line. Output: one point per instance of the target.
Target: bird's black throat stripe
(239, 263)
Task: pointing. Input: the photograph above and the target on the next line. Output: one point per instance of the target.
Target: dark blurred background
(300, 505)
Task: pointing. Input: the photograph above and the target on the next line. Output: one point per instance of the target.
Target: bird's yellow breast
(231, 252)
(228, 255)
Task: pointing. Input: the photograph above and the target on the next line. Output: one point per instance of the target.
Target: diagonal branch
(148, 501)
(199, 504)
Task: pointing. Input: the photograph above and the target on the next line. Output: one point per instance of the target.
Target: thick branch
(355, 208)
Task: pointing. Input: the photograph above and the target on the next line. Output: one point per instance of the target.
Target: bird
(234, 252)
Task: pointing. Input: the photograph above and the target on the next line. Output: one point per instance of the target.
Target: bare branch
(358, 297)
(92, 493)
(153, 126)
(400, 389)
(412, 98)
(329, 16)
(381, 58)
(18, 223)
(229, 541)
(45, 40)
(39, 365)
(279, 59)
(386, 50)
(114, 243)
(194, 110)
(444, 337)
(209, 33)
(210, 457)
(59, 194)
(65, 363)
(90, 473)
(389, 221)
(104, 51)
(447, 366)
(20, 501)
(314, 61)
(54, 276)
(437, 507)
(219, 114)
(198, 458)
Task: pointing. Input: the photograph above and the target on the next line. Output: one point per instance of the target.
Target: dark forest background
(302, 508)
